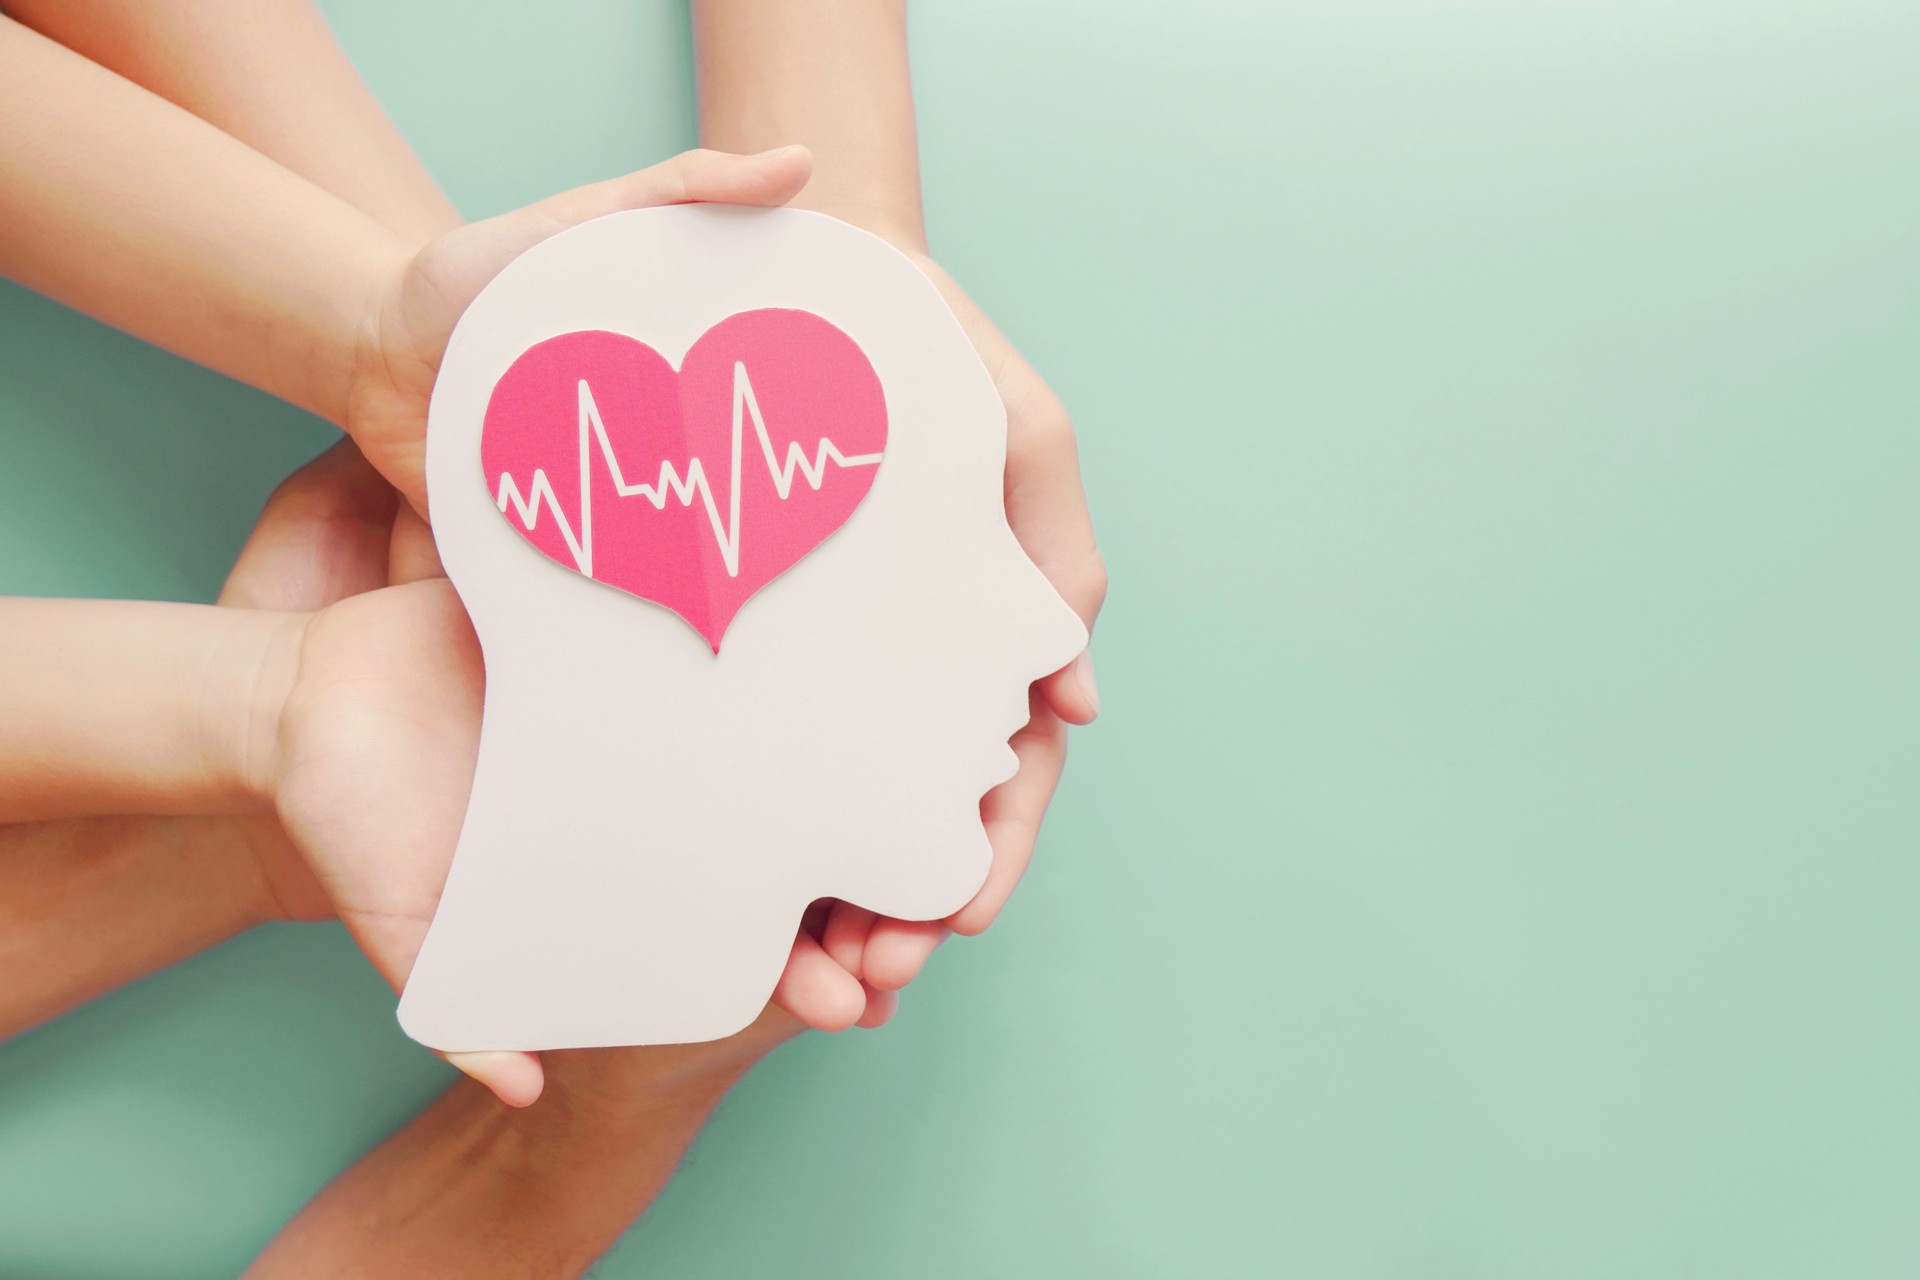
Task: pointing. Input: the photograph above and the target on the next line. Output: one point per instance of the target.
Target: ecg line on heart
(726, 531)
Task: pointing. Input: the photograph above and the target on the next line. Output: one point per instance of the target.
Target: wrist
(317, 349)
(899, 225)
(624, 1089)
(257, 682)
(392, 369)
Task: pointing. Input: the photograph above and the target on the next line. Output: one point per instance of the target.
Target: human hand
(367, 743)
(333, 530)
(412, 313)
(1047, 510)
(322, 536)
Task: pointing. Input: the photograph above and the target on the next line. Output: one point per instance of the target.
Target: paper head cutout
(652, 808)
(767, 439)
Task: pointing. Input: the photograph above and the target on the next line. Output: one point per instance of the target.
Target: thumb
(766, 180)
(416, 318)
(449, 272)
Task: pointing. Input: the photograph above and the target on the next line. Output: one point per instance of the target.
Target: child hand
(372, 752)
(413, 312)
(330, 532)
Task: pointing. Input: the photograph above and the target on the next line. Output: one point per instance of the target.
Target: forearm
(271, 75)
(124, 206)
(119, 706)
(470, 1187)
(86, 906)
(831, 74)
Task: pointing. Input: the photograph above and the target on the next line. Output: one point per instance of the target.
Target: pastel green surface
(1499, 855)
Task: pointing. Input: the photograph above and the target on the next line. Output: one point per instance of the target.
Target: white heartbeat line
(726, 531)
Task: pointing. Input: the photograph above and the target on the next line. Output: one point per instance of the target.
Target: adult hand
(469, 1188)
(1047, 509)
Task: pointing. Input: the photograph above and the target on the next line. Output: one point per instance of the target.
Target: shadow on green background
(1498, 858)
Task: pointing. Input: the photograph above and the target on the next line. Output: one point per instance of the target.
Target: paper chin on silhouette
(721, 490)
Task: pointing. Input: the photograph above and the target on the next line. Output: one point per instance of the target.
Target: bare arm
(87, 906)
(122, 205)
(470, 1188)
(269, 74)
(132, 706)
(830, 74)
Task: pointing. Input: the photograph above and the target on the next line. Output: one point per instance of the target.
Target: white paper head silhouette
(649, 818)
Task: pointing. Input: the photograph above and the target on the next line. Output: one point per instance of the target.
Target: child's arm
(133, 706)
(123, 205)
(831, 76)
(271, 75)
(128, 208)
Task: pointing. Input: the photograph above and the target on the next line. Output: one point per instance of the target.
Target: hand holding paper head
(412, 309)
(648, 819)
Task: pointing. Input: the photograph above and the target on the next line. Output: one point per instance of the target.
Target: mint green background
(1499, 856)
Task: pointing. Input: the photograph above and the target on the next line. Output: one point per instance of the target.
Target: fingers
(321, 537)
(880, 1008)
(411, 553)
(1011, 813)
(818, 991)
(814, 989)
(768, 179)
(1047, 510)
(897, 950)
(515, 1078)
(1046, 501)
(1070, 692)
(845, 935)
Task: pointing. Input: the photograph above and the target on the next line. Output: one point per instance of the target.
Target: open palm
(376, 748)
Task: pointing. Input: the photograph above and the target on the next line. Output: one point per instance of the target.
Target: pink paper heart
(696, 488)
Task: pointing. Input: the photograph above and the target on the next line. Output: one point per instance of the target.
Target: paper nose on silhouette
(692, 487)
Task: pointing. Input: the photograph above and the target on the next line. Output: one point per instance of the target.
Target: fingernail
(515, 1078)
(1083, 675)
(773, 151)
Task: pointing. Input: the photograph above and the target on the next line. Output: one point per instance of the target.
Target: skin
(269, 75)
(468, 1188)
